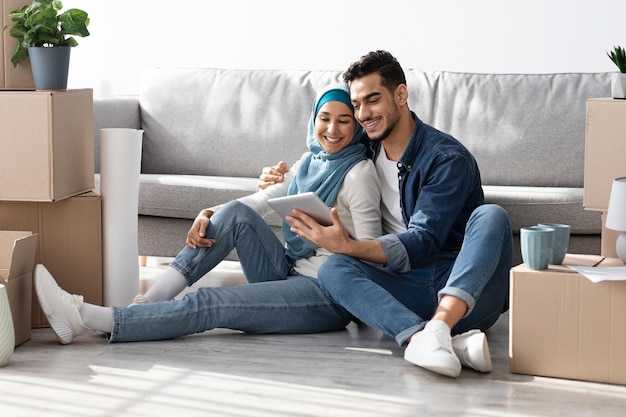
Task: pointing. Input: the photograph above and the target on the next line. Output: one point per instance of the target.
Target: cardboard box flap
(582, 260)
(17, 253)
(570, 259)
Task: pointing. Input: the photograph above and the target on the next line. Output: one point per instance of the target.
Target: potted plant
(46, 35)
(618, 82)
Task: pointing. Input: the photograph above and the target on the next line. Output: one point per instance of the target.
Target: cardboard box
(563, 325)
(605, 150)
(17, 261)
(46, 144)
(12, 77)
(608, 240)
(70, 243)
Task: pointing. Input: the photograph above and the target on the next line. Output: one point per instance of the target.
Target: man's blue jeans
(276, 300)
(399, 304)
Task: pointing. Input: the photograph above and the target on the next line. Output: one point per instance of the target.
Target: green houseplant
(618, 56)
(618, 82)
(43, 30)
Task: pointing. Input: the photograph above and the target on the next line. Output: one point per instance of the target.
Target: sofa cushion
(181, 196)
(528, 206)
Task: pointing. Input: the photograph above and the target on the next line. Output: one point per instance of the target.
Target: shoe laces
(443, 339)
(74, 300)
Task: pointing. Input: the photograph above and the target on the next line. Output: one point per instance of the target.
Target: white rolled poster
(120, 166)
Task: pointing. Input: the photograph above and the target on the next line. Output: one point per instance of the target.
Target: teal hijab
(321, 172)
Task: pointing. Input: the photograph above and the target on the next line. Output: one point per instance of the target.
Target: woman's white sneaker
(472, 350)
(140, 299)
(61, 308)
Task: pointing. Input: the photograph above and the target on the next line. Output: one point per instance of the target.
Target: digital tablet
(309, 203)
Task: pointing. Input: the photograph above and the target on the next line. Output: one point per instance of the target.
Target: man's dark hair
(381, 62)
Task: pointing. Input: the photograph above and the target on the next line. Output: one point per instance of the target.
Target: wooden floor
(356, 372)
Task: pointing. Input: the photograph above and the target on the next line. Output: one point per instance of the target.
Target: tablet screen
(308, 202)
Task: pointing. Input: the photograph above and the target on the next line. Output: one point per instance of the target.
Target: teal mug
(561, 241)
(536, 243)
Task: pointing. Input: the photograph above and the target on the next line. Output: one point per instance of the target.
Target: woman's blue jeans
(276, 300)
(399, 304)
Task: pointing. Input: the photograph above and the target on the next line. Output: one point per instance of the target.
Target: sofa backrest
(523, 129)
(225, 122)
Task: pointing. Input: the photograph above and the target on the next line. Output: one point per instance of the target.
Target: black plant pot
(50, 67)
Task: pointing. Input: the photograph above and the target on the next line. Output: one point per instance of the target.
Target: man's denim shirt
(440, 186)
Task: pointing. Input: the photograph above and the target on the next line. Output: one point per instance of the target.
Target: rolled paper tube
(120, 166)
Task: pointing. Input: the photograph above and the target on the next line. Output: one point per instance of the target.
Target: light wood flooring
(355, 372)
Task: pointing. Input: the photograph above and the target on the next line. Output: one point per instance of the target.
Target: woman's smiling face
(334, 126)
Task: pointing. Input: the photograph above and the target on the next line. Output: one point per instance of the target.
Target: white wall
(495, 36)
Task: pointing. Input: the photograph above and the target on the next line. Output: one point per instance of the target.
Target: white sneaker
(472, 350)
(431, 348)
(60, 307)
(140, 299)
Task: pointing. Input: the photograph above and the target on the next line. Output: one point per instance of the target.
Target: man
(442, 267)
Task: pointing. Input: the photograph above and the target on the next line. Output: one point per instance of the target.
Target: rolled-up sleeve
(395, 251)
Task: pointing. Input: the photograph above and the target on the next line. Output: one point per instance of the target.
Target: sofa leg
(143, 260)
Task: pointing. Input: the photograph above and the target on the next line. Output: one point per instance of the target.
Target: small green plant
(618, 56)
(42, 24)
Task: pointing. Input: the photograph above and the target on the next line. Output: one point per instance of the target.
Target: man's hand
(273, 175)
(195, 236)
(334, 238)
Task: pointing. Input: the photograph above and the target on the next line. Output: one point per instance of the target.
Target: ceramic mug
(561, 241)
(536, 244)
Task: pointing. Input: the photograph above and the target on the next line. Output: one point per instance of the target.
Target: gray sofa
(208, 133)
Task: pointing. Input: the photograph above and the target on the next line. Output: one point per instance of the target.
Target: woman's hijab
(321, 172)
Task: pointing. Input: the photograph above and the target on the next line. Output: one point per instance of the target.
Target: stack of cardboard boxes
(49, 213)
(562, 324)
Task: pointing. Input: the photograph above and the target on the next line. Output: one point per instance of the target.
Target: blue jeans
(399, 304)
(276, 300)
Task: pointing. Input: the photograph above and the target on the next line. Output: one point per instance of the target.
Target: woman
(283, 294)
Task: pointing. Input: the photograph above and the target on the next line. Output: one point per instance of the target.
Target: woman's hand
(273, 175)
(195, 236)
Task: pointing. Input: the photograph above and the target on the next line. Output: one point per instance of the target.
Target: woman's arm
(258, 201)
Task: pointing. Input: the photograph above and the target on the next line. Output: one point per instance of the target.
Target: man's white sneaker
(472, 350)
(61, 308)
(431, 348)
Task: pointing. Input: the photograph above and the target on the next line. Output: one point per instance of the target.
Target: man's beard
(392, 125)
(383, 135)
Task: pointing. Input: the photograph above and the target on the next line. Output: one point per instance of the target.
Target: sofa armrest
(112, 112)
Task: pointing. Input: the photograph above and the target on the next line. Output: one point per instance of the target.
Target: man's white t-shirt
(390, 195)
